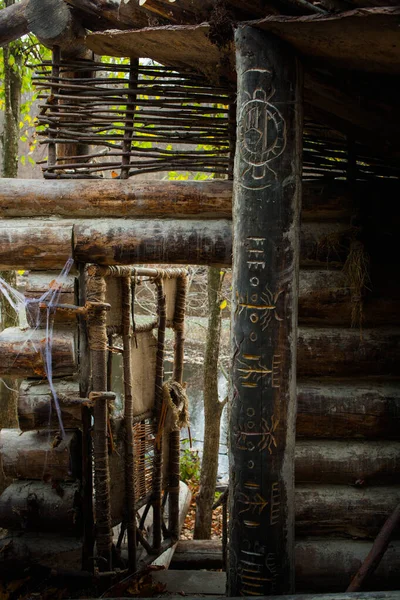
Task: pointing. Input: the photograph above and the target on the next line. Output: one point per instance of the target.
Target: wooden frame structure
(319, 71)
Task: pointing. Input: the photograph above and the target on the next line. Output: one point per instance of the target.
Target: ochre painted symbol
(261, 308)
(266, 436)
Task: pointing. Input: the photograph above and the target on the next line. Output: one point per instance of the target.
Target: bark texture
(12, 61)
(212, 409)
(41, 456)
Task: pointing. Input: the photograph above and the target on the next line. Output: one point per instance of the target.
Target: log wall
(348, 434)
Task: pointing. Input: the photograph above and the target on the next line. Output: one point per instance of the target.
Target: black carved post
(267, 185)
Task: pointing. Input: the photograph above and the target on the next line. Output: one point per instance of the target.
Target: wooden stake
(265, 290)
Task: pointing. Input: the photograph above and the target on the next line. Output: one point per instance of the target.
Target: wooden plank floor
(203, 583)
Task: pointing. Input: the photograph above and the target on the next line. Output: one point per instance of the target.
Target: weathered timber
(197, 554)
(40, 455)
(321, 200)
(323, 566)
(348, 352)
(161, 43)
(376, 553)
(46, 245)
(36, 405)
(352, 40)
(22, 352)
(41, 506)
(13, 22)
(347, 462)
(168, 241)
(34, 245)
(266, 222)
(326, 298)
(323, 352)
(109, 198)
(320, 553)
(338, 409)
(62, 29)
(48, 550)
(342, 510)
(36, 285)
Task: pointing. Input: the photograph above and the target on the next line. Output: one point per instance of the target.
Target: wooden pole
(265, 273)
(126, 300)
(98, 353)
(175, 435)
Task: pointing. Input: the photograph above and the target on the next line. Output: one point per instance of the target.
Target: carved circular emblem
(262, 138)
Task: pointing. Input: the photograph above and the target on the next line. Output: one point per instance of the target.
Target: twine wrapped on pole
(126, 301)
(180, 397)
(98, 344)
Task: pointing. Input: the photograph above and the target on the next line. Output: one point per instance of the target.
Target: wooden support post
(87, 444)
(265, 290)
(157, 462)
(98, 352)
(126, 302)
(175, 435)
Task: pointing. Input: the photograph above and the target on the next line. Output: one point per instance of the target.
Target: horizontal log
(132, 242)
(40, 506)
(325, 298)
(321, 200)
(43, 456)
(342, 510)
(348, 352)
(110, 198)
(48, 550)
(36, 285)
(13, 22)
(336, 409)
(197, 554)
(43, 245)
(22, 352)
(347, 462)
(36, 405)
(328, 566)
(322, 565)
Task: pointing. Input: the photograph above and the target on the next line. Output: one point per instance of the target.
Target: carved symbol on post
(276, 371)
(261, 308)
(266, 435)
(256, 254)
(252, 370)
(261, 133)
(275, 503)
(254, 504)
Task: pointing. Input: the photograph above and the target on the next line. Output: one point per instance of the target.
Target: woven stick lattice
(140, 119)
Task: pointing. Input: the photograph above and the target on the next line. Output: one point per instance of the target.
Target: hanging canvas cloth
(143, 371)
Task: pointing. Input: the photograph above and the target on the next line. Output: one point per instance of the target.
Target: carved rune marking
(275, 503)
(261, 133)
(252, 371)
(254, 504)
(266, 435)
(261, 308)
(256, 254)
(276, 371)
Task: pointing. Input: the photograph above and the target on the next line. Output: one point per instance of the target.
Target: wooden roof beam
(13, 23)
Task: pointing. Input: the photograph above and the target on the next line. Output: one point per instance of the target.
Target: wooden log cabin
(294, 105)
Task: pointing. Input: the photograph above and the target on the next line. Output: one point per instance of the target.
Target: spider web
(34, 306)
